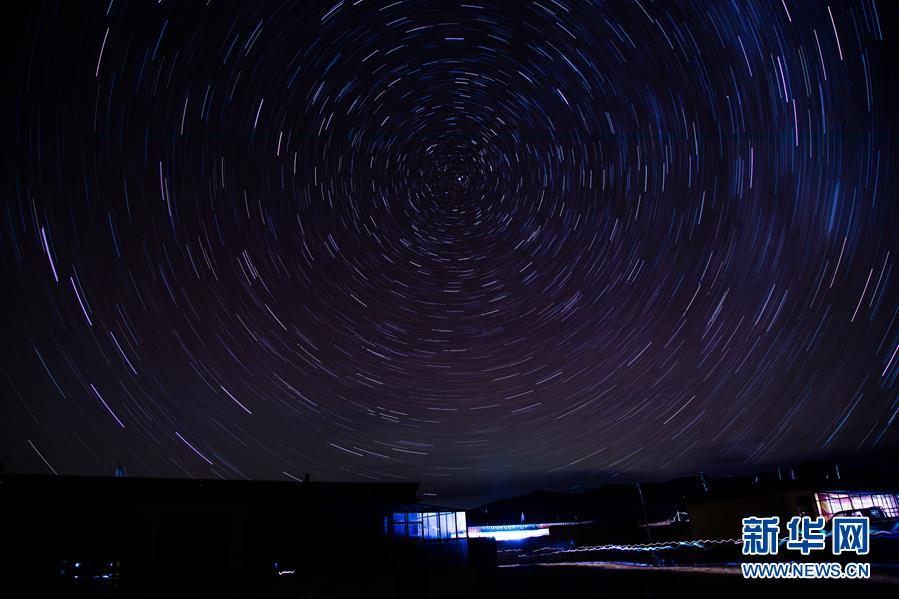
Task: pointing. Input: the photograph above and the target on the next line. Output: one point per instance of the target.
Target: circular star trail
(466, 244)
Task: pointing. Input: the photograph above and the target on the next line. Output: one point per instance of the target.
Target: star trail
(462, 243)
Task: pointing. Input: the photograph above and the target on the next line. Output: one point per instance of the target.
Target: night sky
(486, 246)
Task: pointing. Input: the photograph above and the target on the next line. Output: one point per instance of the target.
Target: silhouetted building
(141, 536)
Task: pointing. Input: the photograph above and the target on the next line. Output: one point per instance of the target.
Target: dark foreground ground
(641, 581)
(558, 581)
(535, 581)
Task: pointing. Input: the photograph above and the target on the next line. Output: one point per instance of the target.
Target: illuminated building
(432, 525)
(833, 502)
(719, 516)
(438, 533)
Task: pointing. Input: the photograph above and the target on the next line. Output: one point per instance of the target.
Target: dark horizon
(488, 247)
(478, 493)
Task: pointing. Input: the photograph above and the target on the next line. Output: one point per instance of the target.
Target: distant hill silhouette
(663, 499)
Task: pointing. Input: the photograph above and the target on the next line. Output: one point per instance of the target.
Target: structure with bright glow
(834, 502)
(515, 532)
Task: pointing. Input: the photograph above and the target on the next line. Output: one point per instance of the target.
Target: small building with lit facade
(432, 531)
(833, 502)
(719, 516)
